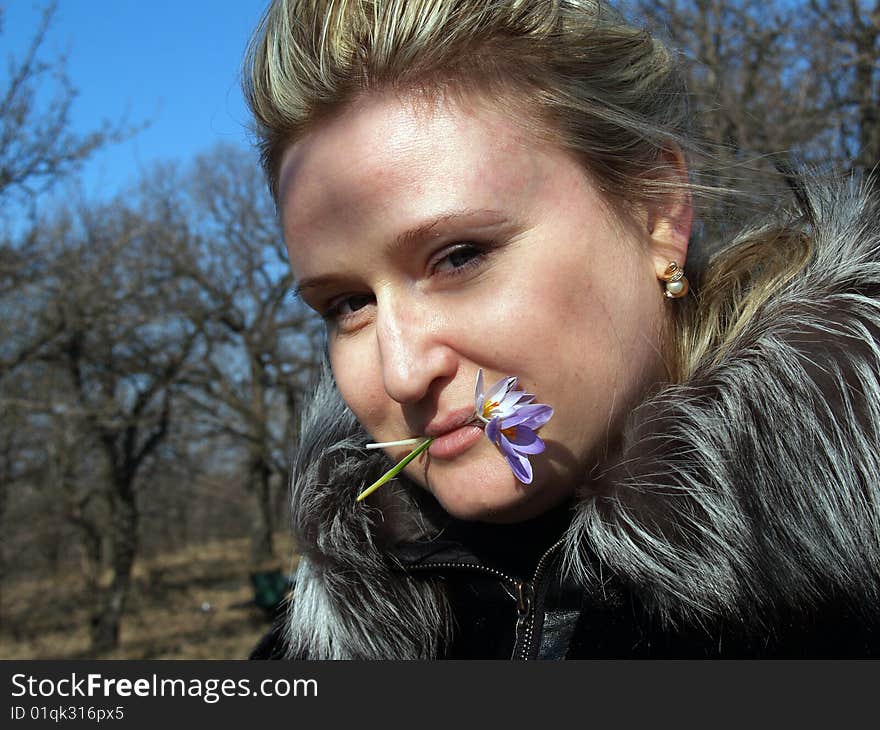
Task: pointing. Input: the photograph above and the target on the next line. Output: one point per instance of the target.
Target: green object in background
(270, 588)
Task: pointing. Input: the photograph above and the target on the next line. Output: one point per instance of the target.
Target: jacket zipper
(525, 623)
(523, 593)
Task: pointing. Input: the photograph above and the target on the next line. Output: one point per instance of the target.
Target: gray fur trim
(749, 490)
(754, 488)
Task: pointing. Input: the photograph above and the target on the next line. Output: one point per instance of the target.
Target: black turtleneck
(513, 549)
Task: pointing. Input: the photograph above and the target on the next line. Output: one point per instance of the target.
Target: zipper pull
(524, 596)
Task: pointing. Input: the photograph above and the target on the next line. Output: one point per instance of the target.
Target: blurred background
(153, 361)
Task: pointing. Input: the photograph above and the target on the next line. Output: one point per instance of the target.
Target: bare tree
(782, 79)
(264, 344)
(842, 41)
(38, 148)
(37, 145)
(156, 330)
(121, 345)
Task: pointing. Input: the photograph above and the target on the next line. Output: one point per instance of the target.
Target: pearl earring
(676, 282)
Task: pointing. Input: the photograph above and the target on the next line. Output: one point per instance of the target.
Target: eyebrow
(412, 236)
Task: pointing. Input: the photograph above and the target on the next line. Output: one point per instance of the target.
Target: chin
(487, 492)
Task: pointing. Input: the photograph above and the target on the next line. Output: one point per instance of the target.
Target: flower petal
(521, 467)
(479, 395)
(525, 441)
(500, 389)
(506, 448)
(510, 399)
(493, 431)
(531, 415)
(518, 463)
(508, 405)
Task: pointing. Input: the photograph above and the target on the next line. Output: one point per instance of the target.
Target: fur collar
(749, 490)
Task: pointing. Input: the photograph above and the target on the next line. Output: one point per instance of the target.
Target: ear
(669, 222)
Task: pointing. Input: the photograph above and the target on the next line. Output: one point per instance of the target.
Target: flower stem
(394, 471)
(402, 442)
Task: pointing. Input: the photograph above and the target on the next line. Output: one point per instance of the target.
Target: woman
(472, 192)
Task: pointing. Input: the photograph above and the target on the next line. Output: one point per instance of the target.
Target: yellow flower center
(509, 432)
(487, 408)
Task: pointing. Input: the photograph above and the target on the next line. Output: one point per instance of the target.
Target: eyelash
(332, 314)
(469, 246)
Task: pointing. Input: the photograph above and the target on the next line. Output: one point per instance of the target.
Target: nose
(411, 348)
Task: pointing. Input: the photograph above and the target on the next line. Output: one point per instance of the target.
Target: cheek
(581, 340)
(532, 321)
(359, 383)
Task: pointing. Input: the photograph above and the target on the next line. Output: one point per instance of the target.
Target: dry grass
(193, 604)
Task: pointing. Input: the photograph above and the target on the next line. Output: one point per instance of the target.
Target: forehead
(389, 161)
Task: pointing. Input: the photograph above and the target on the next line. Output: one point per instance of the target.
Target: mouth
(453, 435)
(452, 421)
(454, 443)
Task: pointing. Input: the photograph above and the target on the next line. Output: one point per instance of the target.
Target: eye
(459, 258)
(347, 306)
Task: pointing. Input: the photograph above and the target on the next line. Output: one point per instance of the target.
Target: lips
(450, 422)
(455, 442)
(453, 434)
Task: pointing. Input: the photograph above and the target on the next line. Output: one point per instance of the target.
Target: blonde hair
(603, 89)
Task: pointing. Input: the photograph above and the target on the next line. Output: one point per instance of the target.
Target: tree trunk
(262, 547)
(3, 494)
(123, 540)
(869, 119)
(93, 551)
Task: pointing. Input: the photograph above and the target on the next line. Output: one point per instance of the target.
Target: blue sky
(173, 64)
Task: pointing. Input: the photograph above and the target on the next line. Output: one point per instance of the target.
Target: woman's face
(438, 242)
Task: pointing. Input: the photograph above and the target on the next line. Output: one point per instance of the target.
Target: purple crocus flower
(511, 420)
